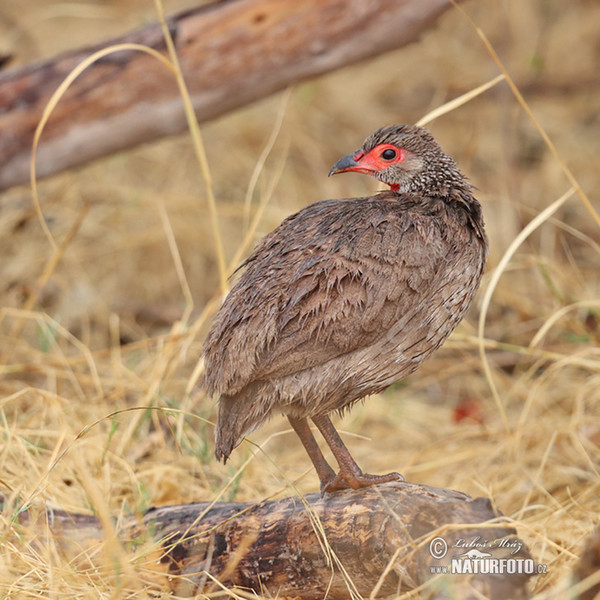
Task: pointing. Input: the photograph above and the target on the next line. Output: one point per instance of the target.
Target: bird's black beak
(347, 163)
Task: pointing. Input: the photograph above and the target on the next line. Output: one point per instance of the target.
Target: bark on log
(376, 536)
(231, 53)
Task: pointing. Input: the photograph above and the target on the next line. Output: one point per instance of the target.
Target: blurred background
(107, 334)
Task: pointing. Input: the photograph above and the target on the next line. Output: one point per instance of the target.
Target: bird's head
(405, 157)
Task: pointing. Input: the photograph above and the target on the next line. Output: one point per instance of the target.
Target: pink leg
(324, 471)
(350, 474)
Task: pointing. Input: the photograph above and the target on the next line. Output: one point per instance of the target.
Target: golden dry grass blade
(251, 232)
(260, 163)
(458, 102)
(579, 361)
(515, 90)
(183, 282)
(57, 249)
(194, 128)
(46, 322)
(559, 314)
(384, 574)
(489, 291)
(49, 268)
(55, 99)
(116, 558)
(536, 479)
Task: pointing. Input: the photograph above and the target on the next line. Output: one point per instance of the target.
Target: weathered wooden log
(390, 538)
(231, 53)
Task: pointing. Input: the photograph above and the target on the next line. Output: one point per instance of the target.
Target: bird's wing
(329, 280)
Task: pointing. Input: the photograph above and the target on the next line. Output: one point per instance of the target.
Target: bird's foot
(355, 480)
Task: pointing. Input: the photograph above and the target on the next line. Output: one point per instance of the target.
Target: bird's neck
(455, 196)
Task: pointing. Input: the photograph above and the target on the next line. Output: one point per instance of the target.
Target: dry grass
(106, 334)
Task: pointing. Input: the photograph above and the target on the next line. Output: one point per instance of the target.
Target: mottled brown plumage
(346, 297)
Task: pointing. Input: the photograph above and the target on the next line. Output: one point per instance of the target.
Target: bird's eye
(388, 154)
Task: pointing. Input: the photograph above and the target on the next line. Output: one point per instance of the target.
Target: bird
(345, 298)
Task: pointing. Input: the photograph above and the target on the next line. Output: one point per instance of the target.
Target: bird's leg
(324, 471)
(350, 474)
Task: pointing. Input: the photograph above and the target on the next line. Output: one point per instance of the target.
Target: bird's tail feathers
(235, 421)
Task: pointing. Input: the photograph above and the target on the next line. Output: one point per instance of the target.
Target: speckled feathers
(347, 296)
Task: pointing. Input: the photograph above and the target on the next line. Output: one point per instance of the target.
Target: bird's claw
(344, 481)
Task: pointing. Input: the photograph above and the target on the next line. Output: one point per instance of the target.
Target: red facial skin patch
(375, 161)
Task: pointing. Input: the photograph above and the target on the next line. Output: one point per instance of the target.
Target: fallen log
(382, 540)
(231, 53)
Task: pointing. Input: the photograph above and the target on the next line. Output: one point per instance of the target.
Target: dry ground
(107, 333)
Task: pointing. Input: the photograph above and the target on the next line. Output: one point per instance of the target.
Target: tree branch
(231, 53)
